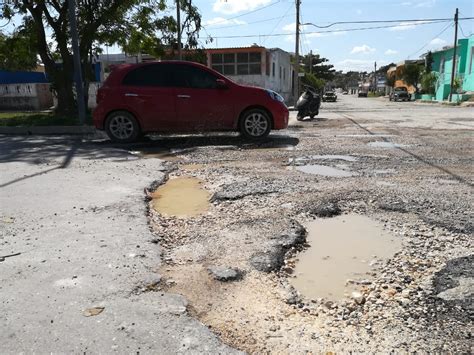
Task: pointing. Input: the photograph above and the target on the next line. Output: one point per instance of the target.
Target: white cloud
(429, 3)
(220, 21)
(404, 26)
(315, 35)
(437, 43)
(229, 7)
(358, 65)
(362, 49)
(390, 52)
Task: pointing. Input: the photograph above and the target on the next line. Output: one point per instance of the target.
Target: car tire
(122, 127)
(255, 124)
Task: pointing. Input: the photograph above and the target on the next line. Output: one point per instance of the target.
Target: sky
(240, 23)
(347, 49)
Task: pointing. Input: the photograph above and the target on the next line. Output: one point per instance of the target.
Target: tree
(411, 74)
(428, 82)
(136, 25)
(428, 62)
(18, 50)
(315, 64)
(311, 80)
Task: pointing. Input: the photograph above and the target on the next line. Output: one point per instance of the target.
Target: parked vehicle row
(400, 94)
(180, 97)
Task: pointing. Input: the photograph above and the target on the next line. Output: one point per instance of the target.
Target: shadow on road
(60, 151)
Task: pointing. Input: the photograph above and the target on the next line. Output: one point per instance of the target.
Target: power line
(427, 43)
(251, 23)
(383, 21)
(278, 23)
(322, 32)
(247, 13)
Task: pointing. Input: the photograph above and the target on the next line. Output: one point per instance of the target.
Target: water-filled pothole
(181, 197)
(324, 170)
(342, 251)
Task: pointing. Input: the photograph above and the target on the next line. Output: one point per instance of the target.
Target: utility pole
(178, 20)
(453, 71)
(375, 77)
(77, 63)
(296, 89)
(311, 61)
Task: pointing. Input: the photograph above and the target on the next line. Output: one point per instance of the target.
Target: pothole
(342, 252)
(387, 145)
(181, 197)
(324, 170)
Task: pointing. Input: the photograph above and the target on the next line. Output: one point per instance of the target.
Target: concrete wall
(31, 97)
(280, 80)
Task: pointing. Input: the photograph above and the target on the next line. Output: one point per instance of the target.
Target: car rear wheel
(255, 124)
(122, 127)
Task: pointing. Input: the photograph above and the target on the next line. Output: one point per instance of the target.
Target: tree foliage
(428, 82)
(311, 80)
(428, 62)
(315, 64)
(138, 26)
(18, 50)
(411, 74)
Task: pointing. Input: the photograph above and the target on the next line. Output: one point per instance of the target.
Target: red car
(180, 97)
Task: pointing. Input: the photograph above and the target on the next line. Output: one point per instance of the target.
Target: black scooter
(308, 104)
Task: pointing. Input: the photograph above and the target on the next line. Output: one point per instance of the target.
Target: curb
(46, 130)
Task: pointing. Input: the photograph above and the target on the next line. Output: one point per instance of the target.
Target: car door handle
(131, 94)
(184, 96)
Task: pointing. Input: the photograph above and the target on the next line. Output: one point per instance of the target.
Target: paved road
(75, 212)
(379, 111)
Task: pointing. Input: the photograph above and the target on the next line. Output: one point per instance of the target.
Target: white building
(256, 66)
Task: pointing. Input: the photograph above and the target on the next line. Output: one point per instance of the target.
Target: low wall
(31, 97)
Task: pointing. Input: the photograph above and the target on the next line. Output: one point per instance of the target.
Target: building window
(284, 74)
(237, 63)
(273, 69)
(441, 65)
(280, 72)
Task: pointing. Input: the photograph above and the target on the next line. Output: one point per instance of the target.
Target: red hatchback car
(182, 97)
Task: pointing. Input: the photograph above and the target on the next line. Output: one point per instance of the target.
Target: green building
(443, 64)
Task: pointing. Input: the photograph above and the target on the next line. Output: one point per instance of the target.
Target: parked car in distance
(329, 96)
(362, 93)
(183, 97)
(399, 94)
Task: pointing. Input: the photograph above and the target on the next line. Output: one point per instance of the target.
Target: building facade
(255, 66)
(464, 71)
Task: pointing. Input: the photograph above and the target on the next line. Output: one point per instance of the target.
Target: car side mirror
(221, 84)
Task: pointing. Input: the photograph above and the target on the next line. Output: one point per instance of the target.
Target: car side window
(148, 75)
(192, 77)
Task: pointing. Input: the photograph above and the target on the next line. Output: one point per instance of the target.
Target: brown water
(181, 197)
(341, 248)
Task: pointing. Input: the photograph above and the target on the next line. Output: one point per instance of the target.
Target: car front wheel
(122, 127)
(255, 124)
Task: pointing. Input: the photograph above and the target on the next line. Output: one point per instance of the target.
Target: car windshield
(401, 89)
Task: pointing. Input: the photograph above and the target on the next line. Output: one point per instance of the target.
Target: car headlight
(275, 96)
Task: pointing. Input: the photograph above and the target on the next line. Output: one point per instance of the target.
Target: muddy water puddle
(342, 248)
(181, 197)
